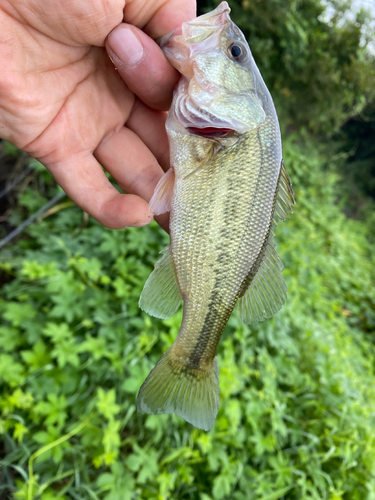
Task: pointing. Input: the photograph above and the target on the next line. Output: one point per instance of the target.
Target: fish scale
(243, 195)
(230, 190)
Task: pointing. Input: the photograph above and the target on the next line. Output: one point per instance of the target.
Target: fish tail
(174, 387)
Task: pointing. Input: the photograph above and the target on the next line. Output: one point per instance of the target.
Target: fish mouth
(211, 132)
(201, 33)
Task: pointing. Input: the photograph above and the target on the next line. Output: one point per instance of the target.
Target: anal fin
(161, 295)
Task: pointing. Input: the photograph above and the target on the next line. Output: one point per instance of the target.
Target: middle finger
(125, 156)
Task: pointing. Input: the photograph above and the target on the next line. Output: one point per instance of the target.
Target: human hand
(63, 102)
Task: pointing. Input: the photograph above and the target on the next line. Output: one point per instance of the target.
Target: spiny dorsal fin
(161, 295)
(284, 197)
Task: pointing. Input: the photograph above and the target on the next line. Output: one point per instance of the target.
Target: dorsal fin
(284, 197)
(266, 292)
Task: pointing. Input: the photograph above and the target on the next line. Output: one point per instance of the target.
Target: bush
(296, 417)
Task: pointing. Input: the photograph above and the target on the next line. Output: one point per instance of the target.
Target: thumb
(142, 65)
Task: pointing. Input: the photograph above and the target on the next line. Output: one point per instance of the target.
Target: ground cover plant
(297, 393)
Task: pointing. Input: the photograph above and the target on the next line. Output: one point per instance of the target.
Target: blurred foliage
(356, 144)
(312, 56)
(297, 412)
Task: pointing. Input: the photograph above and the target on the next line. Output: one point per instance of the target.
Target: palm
(64, 76)
(75, 97)
(73, 107)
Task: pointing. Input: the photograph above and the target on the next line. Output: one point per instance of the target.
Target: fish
(226, 190)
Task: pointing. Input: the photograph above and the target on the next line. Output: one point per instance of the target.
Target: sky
(368, 5)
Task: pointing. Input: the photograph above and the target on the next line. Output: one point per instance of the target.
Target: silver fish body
(228, 189)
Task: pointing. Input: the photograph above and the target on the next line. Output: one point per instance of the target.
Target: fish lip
(217, 17)
(215, 20)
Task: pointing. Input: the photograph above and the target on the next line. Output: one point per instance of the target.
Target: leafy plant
(297, 413)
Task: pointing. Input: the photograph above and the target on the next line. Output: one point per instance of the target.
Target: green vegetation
(297, 412)
(297, 392)
(356, 143)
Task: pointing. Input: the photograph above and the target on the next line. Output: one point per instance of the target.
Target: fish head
(222, 93)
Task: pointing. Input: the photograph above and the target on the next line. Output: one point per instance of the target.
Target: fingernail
(126, 46)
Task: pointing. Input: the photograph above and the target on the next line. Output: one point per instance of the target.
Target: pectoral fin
(161, 295)
(161, 200)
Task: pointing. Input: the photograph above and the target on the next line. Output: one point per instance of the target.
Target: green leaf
(17, 313)
(106, 403)
(277, 494)
(57, 332)
(105, 481)
(53, 409)
(92, 268)
(111, 437)
(66, 353)
(36, 271)
(11, 371)
(122, 289)
(19, 432)
(150, 467)
(222, 487)
(20, 399)
(38, 357)
(96, 346)
(9, 338)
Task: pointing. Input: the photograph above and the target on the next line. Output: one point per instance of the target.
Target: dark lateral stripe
(218, 312)
(207, 333)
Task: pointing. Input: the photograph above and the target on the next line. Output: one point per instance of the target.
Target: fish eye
(237, 51)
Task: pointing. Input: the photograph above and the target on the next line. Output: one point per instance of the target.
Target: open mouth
(211, 132)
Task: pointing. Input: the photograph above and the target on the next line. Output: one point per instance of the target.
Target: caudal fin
(191, 393)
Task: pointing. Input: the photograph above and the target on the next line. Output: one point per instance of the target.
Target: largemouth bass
(226, 191)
